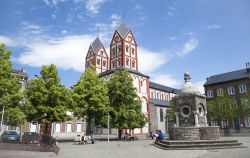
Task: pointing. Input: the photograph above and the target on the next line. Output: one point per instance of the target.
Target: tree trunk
(88, 130)
(120, 133)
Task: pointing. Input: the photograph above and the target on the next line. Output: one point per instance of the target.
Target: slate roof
(157, 86)
(123, 68)
(157, 102)
(122, 29)
(20, 73)
(225, 77)
(96, 44)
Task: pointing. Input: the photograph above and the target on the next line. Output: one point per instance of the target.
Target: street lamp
(108, 123)
(2, 117)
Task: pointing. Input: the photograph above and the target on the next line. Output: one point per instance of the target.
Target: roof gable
(96, 44)
(122, 29)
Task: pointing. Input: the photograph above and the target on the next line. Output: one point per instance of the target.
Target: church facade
(123, 55)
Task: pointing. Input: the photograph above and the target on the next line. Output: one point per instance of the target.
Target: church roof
(122, 29)
(225, 77)
(157, 102)
(96, 44)
(123, 68)
(157, 86)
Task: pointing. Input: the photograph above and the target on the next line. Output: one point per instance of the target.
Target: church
(123, 55)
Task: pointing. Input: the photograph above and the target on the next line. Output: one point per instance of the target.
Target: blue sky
(203, 37)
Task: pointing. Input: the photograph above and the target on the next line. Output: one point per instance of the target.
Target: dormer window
(101, 53)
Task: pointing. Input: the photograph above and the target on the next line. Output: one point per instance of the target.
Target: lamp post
(2, 117)
(108, 123)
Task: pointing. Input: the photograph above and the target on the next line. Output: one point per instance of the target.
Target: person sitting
(83, 140)
(160, 135)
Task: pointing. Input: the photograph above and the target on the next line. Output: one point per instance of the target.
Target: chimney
(248, 67)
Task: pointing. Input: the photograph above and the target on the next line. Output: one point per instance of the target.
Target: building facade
(124, 56)
(235, 84)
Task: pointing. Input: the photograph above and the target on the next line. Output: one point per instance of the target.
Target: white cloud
(93, 6)
(64, 32)
(166, 79)
(188, 47)
(67, 52)
(31, 28)
(53, 2)
(53, 16)
(7, 41)
(149, 61)
(172, 38)
(213, 27)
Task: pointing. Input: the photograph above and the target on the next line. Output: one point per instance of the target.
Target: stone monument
(191, 115)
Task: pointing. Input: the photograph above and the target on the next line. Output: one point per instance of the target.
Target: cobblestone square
(133, 149)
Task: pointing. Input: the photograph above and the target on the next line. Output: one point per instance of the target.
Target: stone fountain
(191, 115)
(192, 130)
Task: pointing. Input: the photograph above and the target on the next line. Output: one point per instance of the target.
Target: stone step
(200, 148)
(200, 142)
(199, 145)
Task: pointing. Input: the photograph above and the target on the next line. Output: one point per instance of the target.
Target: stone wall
(209, 133)
(194, 133)
(184, 133)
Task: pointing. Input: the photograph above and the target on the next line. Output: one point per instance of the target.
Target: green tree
(10, 95)
(244, 110)
(125, 105)
(91, 99)
(48, 100)
(170, 115)
(222, 108)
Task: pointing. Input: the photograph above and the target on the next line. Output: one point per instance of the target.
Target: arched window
(161, 96)
(157, 95)
(101, 53)
(141, 83)
(152, 94)
(126, 48)
(161, 115)
(113, 63)
(119, 61)
(104, 63)
(119, 48)
(113, 52)
(133, 64)
(133, 51)
(98, 61)
(127, 62)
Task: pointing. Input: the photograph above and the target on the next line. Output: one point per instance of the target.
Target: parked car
(78, 138)
(31, 137)
(10, 136)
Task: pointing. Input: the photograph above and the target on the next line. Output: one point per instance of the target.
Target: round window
(185, 111)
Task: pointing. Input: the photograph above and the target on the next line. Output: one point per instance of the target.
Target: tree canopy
(222, 108)
(125, 105)
(48, 100)
(10, 94)
(91, 99)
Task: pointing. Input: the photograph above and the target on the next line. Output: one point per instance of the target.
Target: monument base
(194, 133)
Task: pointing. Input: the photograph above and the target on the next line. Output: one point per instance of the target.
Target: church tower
(97, 57)
(123, 49)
